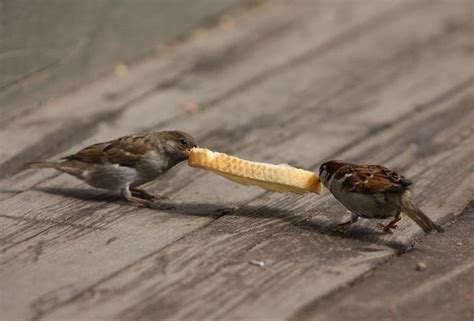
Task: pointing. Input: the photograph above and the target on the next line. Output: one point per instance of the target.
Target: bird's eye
(183, 141)
(322, 168)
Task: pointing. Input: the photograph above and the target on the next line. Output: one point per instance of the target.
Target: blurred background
(48, 48)
(279, 81)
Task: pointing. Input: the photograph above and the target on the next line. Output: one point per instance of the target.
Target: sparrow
(373, 191)
(124, 164)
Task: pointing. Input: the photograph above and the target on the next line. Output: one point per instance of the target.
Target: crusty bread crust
(277, 178)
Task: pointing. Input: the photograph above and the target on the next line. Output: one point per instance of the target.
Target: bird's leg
(354, 218)
(144, 198)
(141, 193)
(127, 194)
(387, 228)
(341, 226)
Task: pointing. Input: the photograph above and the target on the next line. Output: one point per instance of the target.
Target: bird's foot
(142, 202)
(342, 227)
(145, 195)
(144, 198)
(387, 228)
(153, 204)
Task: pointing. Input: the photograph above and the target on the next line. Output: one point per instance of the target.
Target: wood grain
(205, 71)
(39, 61)
(412, 295)
(365, 88)
(209, 269)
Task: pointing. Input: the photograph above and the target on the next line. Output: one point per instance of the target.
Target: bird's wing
(125, 151)
(369, 179)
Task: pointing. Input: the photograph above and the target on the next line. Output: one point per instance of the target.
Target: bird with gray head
(126, 163)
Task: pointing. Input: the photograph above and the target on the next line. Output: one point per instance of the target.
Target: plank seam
(11, 166)
(453, 91)
(361, 278)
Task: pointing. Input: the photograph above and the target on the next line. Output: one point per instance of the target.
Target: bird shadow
(316, 223)
(82, 194)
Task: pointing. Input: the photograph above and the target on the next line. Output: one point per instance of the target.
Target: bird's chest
(150, 169)
(377, 205)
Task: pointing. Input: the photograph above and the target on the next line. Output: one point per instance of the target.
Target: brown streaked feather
(125, 151)
(91, 154)
(371, 179)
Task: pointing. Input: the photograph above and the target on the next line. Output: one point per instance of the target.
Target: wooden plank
(231, 135)
(69, 120)
(173, 98)
(51, 237)
(396, 290)
(209, 269)
(229, 143)
(40, 62)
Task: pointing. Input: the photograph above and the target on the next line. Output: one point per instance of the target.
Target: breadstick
(277, 178)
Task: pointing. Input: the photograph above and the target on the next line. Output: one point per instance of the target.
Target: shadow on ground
(312, 223)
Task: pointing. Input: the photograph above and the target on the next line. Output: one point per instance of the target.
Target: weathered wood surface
(39, 61)
(395, 291)
(295, 84)
(206, 71)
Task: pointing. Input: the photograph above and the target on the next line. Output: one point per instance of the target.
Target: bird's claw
(144, 195)
(340, 228)
(387, 228)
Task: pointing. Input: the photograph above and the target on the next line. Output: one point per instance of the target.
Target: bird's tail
(417, 215)
(54, 165)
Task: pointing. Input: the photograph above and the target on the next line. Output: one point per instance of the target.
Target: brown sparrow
(373, 191)
(126, 163)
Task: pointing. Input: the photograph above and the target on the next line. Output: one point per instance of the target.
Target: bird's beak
(188, 151)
